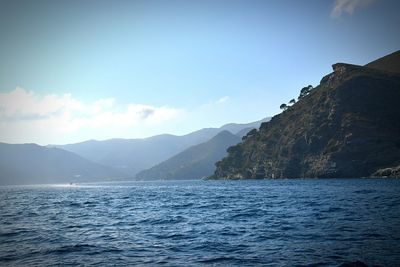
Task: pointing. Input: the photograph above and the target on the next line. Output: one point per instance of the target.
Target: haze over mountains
(109, 160)
(193, 163)
(348, 126)
(131, 156)
(34, 164)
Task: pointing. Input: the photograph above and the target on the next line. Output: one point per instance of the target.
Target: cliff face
(348, 126)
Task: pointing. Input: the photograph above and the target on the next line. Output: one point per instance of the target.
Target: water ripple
(354, 222)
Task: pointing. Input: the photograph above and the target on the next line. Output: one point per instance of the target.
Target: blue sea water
(302, 222)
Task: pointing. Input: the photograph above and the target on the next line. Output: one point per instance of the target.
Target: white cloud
(223, 100)
(27, 117)
(348, 6)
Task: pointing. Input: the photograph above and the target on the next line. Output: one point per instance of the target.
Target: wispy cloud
(348, 6)
(25, 113)
(223, 100)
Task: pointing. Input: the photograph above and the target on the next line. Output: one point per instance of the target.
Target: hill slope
(33, 164)
(193, 163)
(133, 155)
(348, 126)
(388, 63)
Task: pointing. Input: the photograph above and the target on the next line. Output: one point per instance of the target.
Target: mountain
(34, 164)
(243, 132)
(131, 156)
(235, 128)
(388, 63)
(348, 126)
(195, 162)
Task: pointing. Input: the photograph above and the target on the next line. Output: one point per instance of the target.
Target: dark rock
(348, 126)
(393, 172)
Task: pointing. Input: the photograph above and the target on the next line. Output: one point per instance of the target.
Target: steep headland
(348, 126)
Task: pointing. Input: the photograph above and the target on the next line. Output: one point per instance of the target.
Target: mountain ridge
(390, 63)
(131, 156)
(195, 162)
(34, 164)
(348, 126)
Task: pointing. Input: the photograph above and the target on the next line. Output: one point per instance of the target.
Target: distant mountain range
(195, 162)
(110, 160)
(34, 164)
(347, 126)
(131, 156)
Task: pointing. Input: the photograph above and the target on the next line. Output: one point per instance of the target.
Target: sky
(73, 70)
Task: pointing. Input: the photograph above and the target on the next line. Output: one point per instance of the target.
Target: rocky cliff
(348, 126)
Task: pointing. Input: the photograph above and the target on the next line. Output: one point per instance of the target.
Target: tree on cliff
(305, 91)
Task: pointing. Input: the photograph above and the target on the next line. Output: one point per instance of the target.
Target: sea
(288, 222)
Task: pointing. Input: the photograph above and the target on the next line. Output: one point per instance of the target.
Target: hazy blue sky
(77, 70)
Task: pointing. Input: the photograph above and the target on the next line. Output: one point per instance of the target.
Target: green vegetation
(130, 156)
(348, 126)
(195, 162)
(305, 91)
